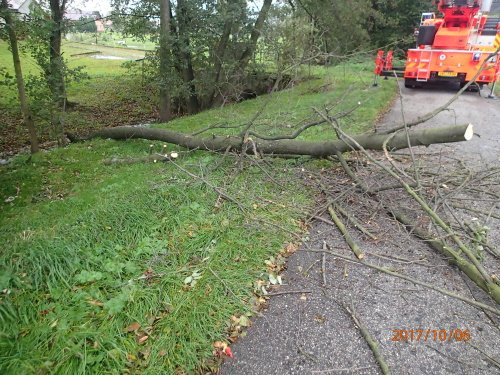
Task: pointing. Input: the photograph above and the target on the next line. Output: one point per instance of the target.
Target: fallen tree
(286, 146)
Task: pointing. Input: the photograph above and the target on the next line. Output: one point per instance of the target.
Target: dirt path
(310, 333)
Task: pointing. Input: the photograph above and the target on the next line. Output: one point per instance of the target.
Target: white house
(20, 6)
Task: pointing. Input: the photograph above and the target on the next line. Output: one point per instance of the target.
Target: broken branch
(353, 245)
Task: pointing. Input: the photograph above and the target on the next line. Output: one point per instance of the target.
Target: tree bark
(56, 78)
(23, 100)
(164, 105)
(370, 141)
(254, 37)
(220, 52)
(193, 105)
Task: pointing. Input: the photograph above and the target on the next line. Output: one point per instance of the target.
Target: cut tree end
(469, 132)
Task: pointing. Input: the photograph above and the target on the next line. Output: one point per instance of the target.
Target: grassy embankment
(89, 250)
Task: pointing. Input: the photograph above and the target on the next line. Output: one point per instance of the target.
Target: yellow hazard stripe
(497, 41)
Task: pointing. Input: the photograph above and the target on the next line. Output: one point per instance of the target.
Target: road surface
(311, 334)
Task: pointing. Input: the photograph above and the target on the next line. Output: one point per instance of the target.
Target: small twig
(306, 272)
(280, 227)
(488, 357)
(288, 292)
(398, 259)
(291, 136)
(412, 280)
(222, 282)
(346, 369)
(244, 133)
(215, 188)
(474, 210)
(355, 222)
(455, 359)
(216, 126)
(389, 187)
(372, 343)
(323, 264)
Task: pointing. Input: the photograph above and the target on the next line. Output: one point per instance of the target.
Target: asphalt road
(311, 334)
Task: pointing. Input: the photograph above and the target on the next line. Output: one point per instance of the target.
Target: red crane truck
(451, 48)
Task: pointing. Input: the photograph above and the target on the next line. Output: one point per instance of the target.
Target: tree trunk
(254, 37)
(371, 141)
(25, 109)
(219, 54)
(164, 105)
(193, 105)
(56, 78)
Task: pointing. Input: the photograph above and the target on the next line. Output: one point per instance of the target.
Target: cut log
(370, 141)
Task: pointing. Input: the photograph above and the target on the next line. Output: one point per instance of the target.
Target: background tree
(211, 46)
(43, 42)
(164, 53)
(6, 14)
(339, 27)
(392, 20)
(84, 25)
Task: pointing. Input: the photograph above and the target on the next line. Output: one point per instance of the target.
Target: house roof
(20, 6)
(15, 4)
(77, 14)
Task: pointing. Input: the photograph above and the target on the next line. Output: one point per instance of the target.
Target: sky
(103, 6)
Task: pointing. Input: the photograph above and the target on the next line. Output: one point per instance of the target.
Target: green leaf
(88, 276)
(5, 278)
(117, 304)
(244, 321)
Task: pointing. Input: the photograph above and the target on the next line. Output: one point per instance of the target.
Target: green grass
(76, 54)
(89, 249)
(112, 39)
(71, 50)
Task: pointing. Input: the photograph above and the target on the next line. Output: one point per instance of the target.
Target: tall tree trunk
(25, 109)
(56, 78)
(254, 37)
(220, 52)
(165, 105)
(193, 104)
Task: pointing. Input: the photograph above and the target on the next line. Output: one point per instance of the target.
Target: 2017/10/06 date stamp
(439, 335)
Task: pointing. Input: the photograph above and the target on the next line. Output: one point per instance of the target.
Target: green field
(140, 268)
(97, 100)
(111, 39)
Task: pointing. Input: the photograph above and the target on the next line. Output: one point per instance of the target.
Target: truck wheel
(472, 88)
(410, 83)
